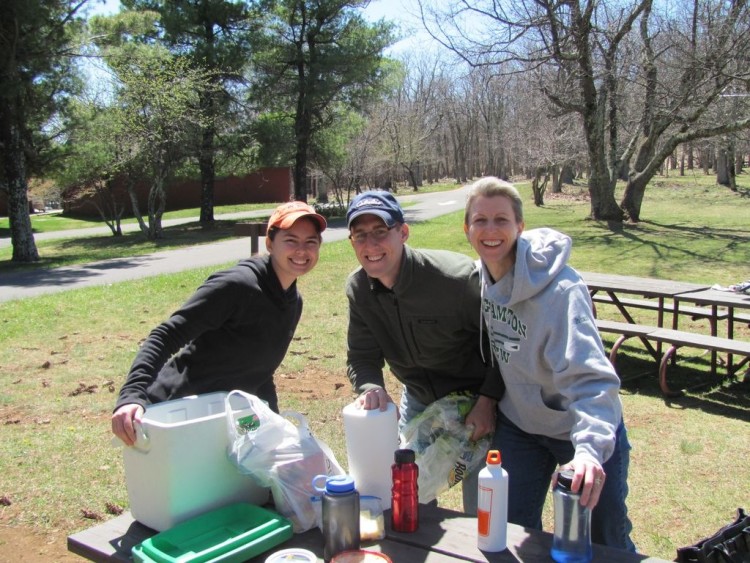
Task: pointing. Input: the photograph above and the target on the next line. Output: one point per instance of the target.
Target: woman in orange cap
(235, 329)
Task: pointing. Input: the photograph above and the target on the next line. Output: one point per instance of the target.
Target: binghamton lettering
(506, 316)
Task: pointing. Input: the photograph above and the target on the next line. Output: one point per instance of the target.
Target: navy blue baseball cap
(376, 202)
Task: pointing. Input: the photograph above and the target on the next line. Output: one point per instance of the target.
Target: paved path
(31, 283)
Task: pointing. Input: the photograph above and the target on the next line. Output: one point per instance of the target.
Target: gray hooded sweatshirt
(559, 381)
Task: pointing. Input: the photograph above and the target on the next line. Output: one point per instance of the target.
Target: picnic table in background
(654, 294)
(714, 299)
(670, 297)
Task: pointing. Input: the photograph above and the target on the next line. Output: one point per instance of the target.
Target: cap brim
(290, 219)
(384, 215)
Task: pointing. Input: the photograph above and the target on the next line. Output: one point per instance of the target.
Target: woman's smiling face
(294, 251)
(492, 230)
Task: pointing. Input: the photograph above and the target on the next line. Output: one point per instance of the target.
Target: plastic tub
(231, 534)
(179, 468)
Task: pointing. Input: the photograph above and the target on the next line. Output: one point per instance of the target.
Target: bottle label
(484, 511)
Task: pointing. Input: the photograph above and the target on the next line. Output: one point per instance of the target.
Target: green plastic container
(230, 534)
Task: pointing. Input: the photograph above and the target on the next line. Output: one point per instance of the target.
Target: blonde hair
(490, 186)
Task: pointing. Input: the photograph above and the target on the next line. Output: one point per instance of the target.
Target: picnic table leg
(675, 322)
(730, 333)
(660, 322)
(665, 389)
(628, 317)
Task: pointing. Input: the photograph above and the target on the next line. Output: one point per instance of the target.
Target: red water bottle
(405, 492)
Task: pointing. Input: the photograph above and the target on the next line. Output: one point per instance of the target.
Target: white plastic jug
(371, 439)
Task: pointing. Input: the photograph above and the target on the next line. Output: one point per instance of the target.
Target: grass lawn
(63, 357)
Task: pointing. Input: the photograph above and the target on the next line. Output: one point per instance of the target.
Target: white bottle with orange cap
(492, 509)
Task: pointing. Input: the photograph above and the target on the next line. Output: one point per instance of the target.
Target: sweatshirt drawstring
(481, 320)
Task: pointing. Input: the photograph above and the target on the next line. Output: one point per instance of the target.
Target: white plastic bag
(279, 452)
(442, 446)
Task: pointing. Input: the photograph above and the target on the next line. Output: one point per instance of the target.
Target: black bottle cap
(404, 456)
(565, 479)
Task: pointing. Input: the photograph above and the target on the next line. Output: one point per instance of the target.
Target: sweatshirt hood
(540, 256)
(268, 281)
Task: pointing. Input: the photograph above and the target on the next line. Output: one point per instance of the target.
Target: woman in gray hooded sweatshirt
(561, 405)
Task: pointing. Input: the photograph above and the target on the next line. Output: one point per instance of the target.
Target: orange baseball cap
(284, 216)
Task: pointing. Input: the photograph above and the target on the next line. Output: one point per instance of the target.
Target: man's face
(378, 248)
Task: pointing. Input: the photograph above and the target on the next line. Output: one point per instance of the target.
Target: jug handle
(142, 441)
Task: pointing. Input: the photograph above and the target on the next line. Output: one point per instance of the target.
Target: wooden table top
(444, 536)
(648, 287)
(710, 296)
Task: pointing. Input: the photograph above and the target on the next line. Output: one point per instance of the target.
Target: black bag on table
(731, 544)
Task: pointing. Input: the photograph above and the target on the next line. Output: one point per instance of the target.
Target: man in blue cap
(418, 310)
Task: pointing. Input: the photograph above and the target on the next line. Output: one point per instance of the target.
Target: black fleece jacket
(231, 334)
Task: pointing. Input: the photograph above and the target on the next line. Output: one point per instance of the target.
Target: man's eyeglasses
(377, 235)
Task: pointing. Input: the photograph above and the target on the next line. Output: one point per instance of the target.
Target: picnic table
(670, 296)
(728, 301)
(444, 536)
(660, 292)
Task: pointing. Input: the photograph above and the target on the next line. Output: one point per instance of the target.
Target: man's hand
(123, 422)
(374, 399)
(482, 417)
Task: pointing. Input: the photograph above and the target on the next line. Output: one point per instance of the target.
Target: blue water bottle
(572, 539)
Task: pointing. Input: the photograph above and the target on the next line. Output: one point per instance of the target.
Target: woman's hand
(123, 422)
(592, 475)
(482, 417)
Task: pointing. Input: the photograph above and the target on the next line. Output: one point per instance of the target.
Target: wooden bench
(252, 230)
(676, 339)
(667, 307)
(651, 305)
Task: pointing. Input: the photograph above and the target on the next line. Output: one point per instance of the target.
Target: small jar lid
(292, 555)
(404, 456)
(565, 479)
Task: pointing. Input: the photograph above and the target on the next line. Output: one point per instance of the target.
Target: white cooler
(178, 467)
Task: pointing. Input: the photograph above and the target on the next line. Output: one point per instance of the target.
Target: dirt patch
(314, 384)
(22, 544)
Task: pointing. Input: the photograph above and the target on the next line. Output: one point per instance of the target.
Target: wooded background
(600, 91)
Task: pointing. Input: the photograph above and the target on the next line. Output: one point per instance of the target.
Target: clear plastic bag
(279, 452)
(441, 442)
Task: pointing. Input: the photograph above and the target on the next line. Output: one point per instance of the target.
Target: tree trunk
(633, 197)
(14, 163)
(566, 174)
(539, 185)
(156, 203)
(208, 175)
(302, 127)
(136, 208)
(725, 166)
(556, 180)
(108, 206)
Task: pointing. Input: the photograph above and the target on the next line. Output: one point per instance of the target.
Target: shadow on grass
(715, 395)
(122, 251)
